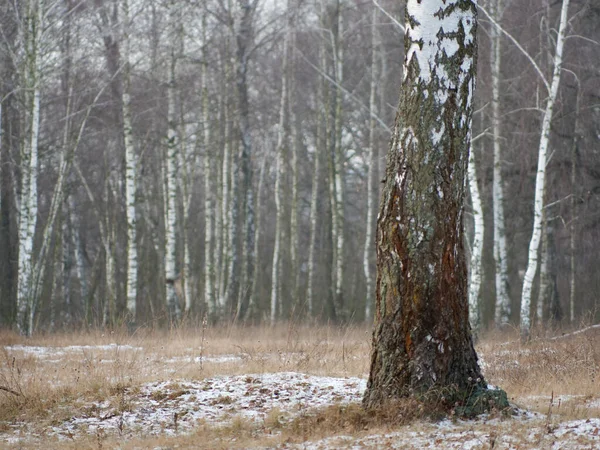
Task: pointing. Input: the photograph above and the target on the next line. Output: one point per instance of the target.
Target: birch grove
(163, 162)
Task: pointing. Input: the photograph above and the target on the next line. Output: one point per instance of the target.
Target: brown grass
(537, 376)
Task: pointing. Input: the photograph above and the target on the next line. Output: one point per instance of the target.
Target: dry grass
(557, 376)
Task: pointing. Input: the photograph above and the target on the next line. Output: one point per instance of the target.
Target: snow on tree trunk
(422, 338)
(540, 179)
(503, 304)
(475, 267)
(371, 177)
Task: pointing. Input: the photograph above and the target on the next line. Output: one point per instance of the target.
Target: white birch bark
(172, 156)
(541, 178)
(29, 166)
(209, 295)
(475, 266)
(339, 166)
(544, 281)
(314, 211)
(371, 177)
(130, 173)
(279, 207)
(226, 259)
(503, 304)
(295, 147)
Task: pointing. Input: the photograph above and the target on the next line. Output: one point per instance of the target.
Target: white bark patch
(434, 42)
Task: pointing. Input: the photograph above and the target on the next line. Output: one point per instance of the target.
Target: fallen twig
(583, 330)
(4, 388)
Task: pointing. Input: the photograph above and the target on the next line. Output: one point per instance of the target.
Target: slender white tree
(541, 176)
(172, 159)
(502, 313)
(372, 171)
(130, 169)
(338, 164)
(475, 268)
(32, 27)
(209, 269)
(279, 168)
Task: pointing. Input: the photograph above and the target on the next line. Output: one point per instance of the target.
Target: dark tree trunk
(422, 339)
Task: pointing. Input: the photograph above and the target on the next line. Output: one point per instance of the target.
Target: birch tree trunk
(503, 303)
(314, 202)
(372, 171)
(540, 180)
(422, 341)
(244, 34)
(209, 294)
(29, 165)
(172, 155)
(295, 138)
(475, 267)
(229, 233)
(572, 223)
(130, 172)
(281, 147)
(253, 307)
(338, 161)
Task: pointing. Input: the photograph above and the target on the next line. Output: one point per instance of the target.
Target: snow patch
(177, 406)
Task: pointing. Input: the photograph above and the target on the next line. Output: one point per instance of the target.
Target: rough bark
(422, 338)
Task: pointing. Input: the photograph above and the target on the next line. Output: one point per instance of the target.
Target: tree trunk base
(440, 402)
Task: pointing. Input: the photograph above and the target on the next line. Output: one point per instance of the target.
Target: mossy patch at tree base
(439, 403)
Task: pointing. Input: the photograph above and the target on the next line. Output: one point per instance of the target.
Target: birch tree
(209, 271)
(503, 304)
(130, 171)
(475, 266)
(172, 159)
(32, 28)
(372, 170)
(422, 341)
(540, 180)
(244, 35)
(279, 168)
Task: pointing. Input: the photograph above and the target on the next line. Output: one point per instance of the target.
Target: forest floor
(291, 387)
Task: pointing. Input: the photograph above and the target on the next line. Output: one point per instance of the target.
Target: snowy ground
(179, 406)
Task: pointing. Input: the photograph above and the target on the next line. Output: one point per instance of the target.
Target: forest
(220, 160)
